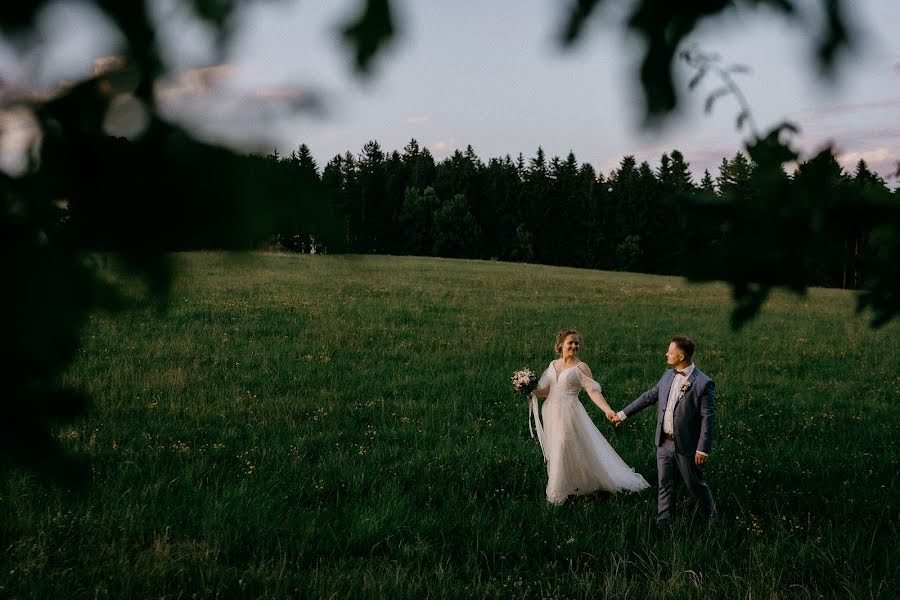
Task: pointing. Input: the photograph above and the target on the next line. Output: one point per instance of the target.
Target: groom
(686, 405)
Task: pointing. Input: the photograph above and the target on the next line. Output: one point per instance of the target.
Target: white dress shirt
(674, 393)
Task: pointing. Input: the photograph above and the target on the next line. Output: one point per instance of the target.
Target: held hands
(613, 417)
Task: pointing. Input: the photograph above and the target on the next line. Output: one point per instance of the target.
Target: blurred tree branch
(161, 191)
(776, 235)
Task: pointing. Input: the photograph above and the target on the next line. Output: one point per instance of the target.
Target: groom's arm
(648, 398)
(707, 418)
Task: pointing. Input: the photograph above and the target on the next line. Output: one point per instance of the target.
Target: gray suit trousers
(669, 463)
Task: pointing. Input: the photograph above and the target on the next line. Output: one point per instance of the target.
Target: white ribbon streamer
(533, 413)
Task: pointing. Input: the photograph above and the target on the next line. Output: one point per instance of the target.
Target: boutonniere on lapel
(685, 387)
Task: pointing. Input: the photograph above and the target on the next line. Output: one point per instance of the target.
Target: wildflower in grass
(68, 435)
(248, 466)
(524, 382)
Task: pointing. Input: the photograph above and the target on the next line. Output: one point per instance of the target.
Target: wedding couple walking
(581, 461)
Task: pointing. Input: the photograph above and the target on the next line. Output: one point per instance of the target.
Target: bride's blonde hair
(561, 337)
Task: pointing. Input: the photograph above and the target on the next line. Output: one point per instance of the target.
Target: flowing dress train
(579, 459)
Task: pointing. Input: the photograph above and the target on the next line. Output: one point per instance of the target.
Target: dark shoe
(663, 525)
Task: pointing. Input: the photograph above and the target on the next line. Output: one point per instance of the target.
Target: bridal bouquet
(524, 382)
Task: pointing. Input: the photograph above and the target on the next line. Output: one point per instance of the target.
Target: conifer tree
(456, 233)
(707, 184)
(373, 216)
(416, 220)
(735, 176)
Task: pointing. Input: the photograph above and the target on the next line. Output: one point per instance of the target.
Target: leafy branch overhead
(777, 229)
(164, 190)
(665, 26)
(372, 30)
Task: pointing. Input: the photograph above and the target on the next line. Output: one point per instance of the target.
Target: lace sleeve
(544, 381)
(587, 381)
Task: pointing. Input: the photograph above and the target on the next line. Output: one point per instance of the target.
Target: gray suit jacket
(695, 411)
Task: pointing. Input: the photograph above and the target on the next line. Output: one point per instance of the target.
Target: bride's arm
(543, 385)
(594, 390)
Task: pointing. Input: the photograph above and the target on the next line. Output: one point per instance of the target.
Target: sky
(480, 73)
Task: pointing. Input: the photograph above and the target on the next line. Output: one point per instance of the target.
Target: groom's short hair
(686, 345)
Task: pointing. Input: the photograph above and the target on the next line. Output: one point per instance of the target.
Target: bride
(579, 459)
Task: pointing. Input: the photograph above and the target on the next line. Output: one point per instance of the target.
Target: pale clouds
(219, 104)
(226, 80)
(442, 148)
(418, 119)
(195, 82)
(879, 147)
(708, 159)
(847, 109)
(881, 160)
(868, 130)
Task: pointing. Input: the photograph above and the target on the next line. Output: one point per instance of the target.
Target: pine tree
(593, 193)
(665, 169)
(333, 190)
(312, 220)
(622, 216)
(456, 233)
(353, 203)
(416, 220)
(419, 165)
(679, 178)
(397, 178)
(651, 208)
(735, 177)
(538, 210)
(374, 216)
(664, 243)
(586, 230)
(503, 191)
(707, 184)
(562, 199)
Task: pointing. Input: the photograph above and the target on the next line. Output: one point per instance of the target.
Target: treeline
(551, 211)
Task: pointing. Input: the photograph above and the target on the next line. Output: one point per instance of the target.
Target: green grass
(337, 426)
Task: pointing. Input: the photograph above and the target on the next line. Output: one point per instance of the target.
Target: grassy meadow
(341, 426)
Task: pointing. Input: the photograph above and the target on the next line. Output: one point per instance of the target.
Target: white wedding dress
(579, 459)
